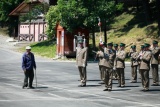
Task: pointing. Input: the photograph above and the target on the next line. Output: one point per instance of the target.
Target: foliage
(6, 7)
(80, 13)
(52, 18)
(35, 12)
(45, 48)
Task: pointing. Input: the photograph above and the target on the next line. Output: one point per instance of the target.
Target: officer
(134, 63)
(109, 58)
(102, 48)
(81, 62)
(145, 66)
(120, 64)
(140, 54)
(154, 62)
(115, 75)
(28, 63)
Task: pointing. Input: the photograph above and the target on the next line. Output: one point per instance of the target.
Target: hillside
(130, 27)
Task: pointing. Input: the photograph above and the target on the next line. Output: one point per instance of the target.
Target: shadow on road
(93, 85)
(41, 87)
(122, 89)
(92, 80)
(131, 86)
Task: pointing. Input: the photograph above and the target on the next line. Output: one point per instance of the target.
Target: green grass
(130, 28)
(45, 48)
(4, 31)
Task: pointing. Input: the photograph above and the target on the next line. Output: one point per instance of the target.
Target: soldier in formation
(115, 74)
(134, 63)
(155, 50)
(120, 65)
(102, 48)
(106, 62)
(81, 62)
(145, 58)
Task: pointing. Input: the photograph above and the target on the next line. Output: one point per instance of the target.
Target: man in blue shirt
(28, 63)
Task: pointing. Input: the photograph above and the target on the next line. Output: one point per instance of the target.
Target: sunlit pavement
(58, 86)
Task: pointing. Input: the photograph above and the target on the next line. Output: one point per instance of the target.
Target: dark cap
(80, 41)
(115, 45)
(155, 42)
(146, 45)
(102, 44)
(133, 46)
(122, 44)
(110, 44)
(142, 46)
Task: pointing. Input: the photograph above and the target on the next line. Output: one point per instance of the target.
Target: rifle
(96, 55)
(105, 55)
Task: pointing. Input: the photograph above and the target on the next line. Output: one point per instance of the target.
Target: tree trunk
(105, 32)
(147, 11)
(93, 38)
(137, 5)
(158, 15)
(116, 2)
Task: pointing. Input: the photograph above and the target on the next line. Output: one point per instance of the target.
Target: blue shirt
(28, 61)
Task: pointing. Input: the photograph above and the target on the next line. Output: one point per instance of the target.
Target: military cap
(102, 44)
(122, 44)
(80, 41)
(110, 44)
(133, 46)
(142, 46)
(146, 45)
(155, 42)
(115, 45)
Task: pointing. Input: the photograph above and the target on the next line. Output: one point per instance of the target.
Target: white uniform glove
(114, 68)
(83, 65)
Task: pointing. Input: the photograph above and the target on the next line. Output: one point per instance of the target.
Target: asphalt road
(58, 86)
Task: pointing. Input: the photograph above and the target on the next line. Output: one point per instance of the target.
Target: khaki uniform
(120, 65)
(115, 74)
(154, 64)
(134, 65)
(101, 68)
(81, 62)
(109, 67)
(144, 68)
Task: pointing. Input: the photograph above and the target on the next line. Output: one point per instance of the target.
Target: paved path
(57, 86)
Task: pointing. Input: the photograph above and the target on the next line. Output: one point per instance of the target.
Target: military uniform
(154, 63)
(134, 63)
(145, 67)
(140, 54)
(120, 65)
(101, 67)
(110, 56)
(115, 74)
(81, 62)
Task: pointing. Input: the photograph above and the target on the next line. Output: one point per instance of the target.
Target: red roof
(24, 4)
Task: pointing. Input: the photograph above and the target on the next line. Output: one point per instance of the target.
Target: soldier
(145, 58)
(134, 63)
(28, 63)
(120, 65)
(109, 58)
(154, 63)
(102, 48)
(140, 54)
(115, 75)
(81, 62)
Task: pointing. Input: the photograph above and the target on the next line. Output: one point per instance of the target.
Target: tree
(6, 7)
(158, 15)
(82, 13)
(147, 10)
